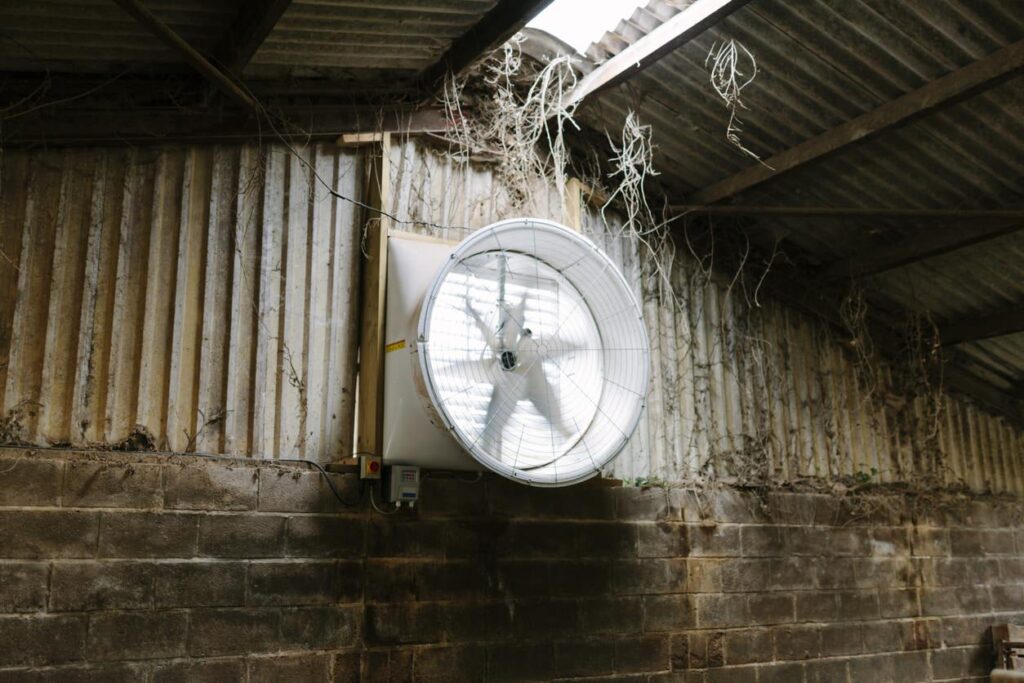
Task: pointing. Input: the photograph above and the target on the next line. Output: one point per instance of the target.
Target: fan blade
(497, 415)
(514, 323)
(481, 326)
(471, 368)
(541, 395)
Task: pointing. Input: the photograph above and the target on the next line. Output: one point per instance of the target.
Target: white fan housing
(523, 346)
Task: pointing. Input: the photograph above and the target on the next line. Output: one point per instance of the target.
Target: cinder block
(748, 576)
(816, 606)
(299, 490)
(86, 586)
(826, 671)
(788, 672)
(307, 667)
(706, 649)
(388, 537)
(582, 578)
(200, 584)
(644, 504)
(442, 497)
(325, 536)
(450, 663)
(662, 540)
(647, 577)
(137, 635)
(210, 486)
(617, 616)
(704, 575)
(715, 541)
(760, 541)
(517, 663)
(848, 639)
(872, 668)
(770, 608)
(477, 621)
(40, 534)
(241, 536)
(719, 611)
(858, 605)
(404, 624)
(148, 534)
(216, 632)
(611, 540)
(112, 485)
(200, 671)
(469, 538)
(747, 646)
(529, 579)
(642, 653)
(796, 642)
(669, 613)
(41, 640)
(578, 658)
(911, 667)
(23, 586)
(545, 619)
(458, 580)
(29, 482)
(294, 583)
(328, 627)
(347, 667)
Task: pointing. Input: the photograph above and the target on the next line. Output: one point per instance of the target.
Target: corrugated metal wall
(735, 381)
(175, 288)
(203, 298)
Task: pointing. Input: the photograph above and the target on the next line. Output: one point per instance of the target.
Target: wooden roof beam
(255, 20)
(943, 92)
(988, 326)
(677, 31)
(928, 243)
(844, 212)
(497, 26)
(197, 61)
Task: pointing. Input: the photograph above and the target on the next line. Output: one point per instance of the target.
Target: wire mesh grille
(534, 352)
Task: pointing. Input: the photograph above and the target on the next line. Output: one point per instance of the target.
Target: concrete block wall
(127, 567)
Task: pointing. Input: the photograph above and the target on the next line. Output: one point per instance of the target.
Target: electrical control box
(370, 466)
(402, 484)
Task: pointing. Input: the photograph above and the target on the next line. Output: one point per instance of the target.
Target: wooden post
(370, 416)
(574, 204)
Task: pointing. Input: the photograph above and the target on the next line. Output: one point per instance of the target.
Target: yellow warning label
(395, 346)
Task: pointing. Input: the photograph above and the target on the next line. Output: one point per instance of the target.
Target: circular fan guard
(534, 352)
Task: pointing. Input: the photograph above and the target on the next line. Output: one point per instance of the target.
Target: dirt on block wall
(175, 568)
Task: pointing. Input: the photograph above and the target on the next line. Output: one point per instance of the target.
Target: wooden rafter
(191, 56)
(255, 20)
(845, 212)
(926, 243)
(498, 25)
(78, 128)
(677, 31)
(987, 326)
(943, 92)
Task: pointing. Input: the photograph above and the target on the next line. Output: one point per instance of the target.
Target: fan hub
(509, 360)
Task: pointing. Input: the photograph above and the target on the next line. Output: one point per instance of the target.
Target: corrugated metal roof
(96, 36)
(822, 63)
(338, 39)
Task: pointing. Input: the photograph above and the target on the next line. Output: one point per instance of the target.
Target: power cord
(327, 477)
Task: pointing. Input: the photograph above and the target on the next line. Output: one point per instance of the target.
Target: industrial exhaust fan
(520, 350)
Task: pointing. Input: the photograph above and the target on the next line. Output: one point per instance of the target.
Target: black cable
(327, 477)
